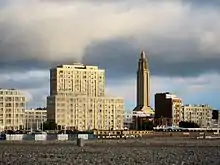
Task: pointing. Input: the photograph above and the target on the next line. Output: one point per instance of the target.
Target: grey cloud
(25, 80)
(39, 42)
(203, 3)
(173, 49)
(39, 97)
(27, 84)
(34, 84)
(26, 49)
(22, 65)
(116, 57)
(166, 57)
(192, 3)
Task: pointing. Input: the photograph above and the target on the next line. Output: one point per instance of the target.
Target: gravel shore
(156, 151)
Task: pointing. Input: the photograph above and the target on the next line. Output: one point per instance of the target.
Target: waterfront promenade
(155, 151)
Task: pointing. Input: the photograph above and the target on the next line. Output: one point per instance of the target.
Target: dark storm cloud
(118, 58)
(166, 57)
(27, 84)
(23, 65)
(202, 3)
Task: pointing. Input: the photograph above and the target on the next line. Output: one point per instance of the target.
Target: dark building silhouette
(215, 114)
(167, 109)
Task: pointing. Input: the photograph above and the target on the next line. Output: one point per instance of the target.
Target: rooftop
(197, 105)
(78, 66)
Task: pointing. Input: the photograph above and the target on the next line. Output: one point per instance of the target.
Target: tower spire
(143, 56)
(143, 84)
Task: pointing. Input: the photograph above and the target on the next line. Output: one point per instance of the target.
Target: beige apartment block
(200, 114)
(86, 113)
(78, 79)
(34, 118)
(77, 99)
(12, 106)
(176, 109)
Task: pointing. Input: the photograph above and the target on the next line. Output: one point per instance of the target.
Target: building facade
(167, 109)
(34, 118)
(77, 99)
(128, 120)
(199, 114)
(77, 79)
(12, 107)
(215, 118)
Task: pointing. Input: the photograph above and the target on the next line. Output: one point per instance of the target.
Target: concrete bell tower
(143, 85)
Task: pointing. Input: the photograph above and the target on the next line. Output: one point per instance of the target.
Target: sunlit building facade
(77, 99)
(12, 107)
(199, 114)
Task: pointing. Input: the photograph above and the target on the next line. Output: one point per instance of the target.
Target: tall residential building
(77, 79)
(167, 109)
(34, 118)
(143, 86)
(12, 106)
(199, 114)
(77, 99)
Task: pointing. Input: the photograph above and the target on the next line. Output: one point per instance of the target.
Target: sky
(181, 39)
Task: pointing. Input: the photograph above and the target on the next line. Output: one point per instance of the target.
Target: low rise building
(199, 114)
(215, 118)
(140, 119)
(12, 106)
(128, 120)
(34, 118)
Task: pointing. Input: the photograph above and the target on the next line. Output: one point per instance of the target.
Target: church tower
(143, 86)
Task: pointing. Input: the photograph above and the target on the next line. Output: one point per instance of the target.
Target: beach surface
(153, 151)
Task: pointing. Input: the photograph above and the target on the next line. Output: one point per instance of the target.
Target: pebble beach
(154, 151)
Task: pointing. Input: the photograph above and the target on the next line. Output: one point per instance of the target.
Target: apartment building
(77, 79)
(12, 107)
(200, 114)
(77, 99)
(167, 109)
(34, 118)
